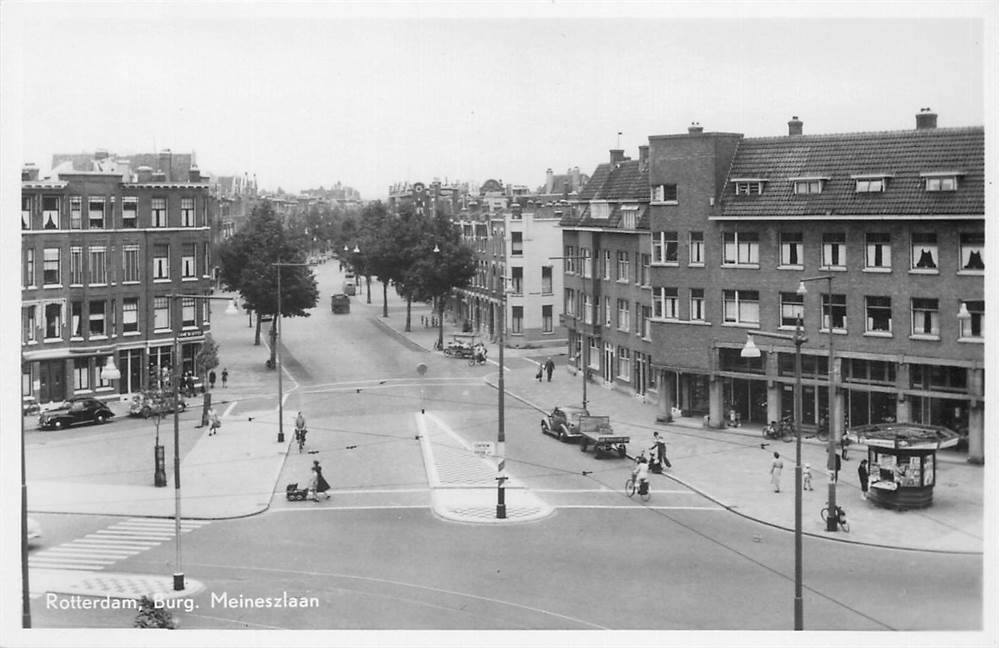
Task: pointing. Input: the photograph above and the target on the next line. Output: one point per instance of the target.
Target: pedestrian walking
(225, 376)
(837, 464)
(776, 468)
(211, 379)
(213, 422)
(541, 372)
(806, 478)
(864, 477)
(659, 451)
(549, 368)
(318, 485)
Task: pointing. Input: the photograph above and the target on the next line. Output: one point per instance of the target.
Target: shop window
(834, 250)
(812, 366)
(732, 360)
(741, 306)
(791, 249)
(924, 251)
(938, 377)
(974, 327)
(972, 249)
(792, 308)
(81, 373)
(741, 248)
(868, 371)
(878, 314)
(925, 317)
(878, 251)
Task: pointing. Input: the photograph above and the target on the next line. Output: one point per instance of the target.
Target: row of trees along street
(421, 255)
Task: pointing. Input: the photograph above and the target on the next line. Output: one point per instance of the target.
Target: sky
(304, 95)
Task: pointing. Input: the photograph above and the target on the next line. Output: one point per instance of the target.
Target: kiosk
(901, 460)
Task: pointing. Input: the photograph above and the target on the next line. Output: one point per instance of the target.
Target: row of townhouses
(654, 271)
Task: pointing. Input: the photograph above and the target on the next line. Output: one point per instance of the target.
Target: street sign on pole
(484, 448)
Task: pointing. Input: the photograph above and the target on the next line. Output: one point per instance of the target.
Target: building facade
(888, 229)
(606, 259)
(101, 255)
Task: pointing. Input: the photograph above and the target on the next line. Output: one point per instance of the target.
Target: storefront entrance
(130, 366)
(748, 398)
(51, 381)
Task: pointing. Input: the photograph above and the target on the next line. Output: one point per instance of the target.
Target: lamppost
(501, 433)
(832, 418)
(750, 350)
(178, 576)
(277, 346)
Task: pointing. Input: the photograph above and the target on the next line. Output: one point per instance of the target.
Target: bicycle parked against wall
(840, 516)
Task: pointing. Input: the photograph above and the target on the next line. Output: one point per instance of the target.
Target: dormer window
(629, 216)
(870, 183)
(941, 180)
(808, 185)
(748, 186)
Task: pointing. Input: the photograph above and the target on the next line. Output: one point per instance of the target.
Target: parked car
(29, 406)
(82, 409)
(340, 303)
(563, 422)
(146, 404)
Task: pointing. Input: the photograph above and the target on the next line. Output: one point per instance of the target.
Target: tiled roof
(900, 155)
(625, 182)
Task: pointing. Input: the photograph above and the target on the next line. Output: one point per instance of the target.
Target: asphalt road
(376, 557)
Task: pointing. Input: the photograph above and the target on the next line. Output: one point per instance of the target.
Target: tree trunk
(367, 280)
(256, 335)
(384, 299)
(409, 310)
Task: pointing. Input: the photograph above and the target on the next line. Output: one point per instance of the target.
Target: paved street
(409, 538)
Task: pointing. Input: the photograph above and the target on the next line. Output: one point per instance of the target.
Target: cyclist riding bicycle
(300, 430)
(640, 474)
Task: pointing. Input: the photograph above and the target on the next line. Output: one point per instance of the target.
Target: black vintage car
(82, 409)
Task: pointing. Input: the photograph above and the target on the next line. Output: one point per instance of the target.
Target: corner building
(101, 254)
(895, 218)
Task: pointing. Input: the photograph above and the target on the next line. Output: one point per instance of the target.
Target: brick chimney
(794, 126)
(164, 165)
(616, 156)
(194, 175)
(643, 156)
(145, 174)
(694, 128)
(29, 172)
(926, 119)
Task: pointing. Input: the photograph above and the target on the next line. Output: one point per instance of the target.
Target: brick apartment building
(896, 218)
(606, 261)
(101, 253)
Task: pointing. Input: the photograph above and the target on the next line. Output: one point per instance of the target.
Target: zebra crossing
(104, 547)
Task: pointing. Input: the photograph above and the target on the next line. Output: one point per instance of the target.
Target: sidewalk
(730, 467)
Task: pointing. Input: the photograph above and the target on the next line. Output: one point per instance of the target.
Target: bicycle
(300, 437)
(643, 489)
(840, 517)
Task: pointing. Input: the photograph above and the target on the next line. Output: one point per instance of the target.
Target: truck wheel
(57, 424)
(544, 427)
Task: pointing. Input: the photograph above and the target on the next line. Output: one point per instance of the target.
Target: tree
(208, 356)
(247, 265)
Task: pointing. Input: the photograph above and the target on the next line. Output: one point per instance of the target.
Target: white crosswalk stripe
(104, 547)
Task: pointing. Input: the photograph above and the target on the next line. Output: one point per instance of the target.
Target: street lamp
(178, 576)
(501, 432)
(750, 350)
(277, 347)
(832, 417)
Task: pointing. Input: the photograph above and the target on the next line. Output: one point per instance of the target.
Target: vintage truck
(340, 303)
(596, 432)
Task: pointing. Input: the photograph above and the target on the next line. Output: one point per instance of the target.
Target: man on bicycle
(300, 430)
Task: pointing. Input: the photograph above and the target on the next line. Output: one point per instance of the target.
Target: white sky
(369, 95)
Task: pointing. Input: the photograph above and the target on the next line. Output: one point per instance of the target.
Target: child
(806, 477)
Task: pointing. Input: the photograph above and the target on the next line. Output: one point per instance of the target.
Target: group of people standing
(777, 467)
